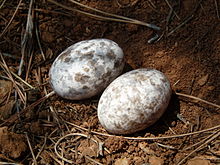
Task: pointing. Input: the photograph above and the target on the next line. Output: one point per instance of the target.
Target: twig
(216, 6)
(26, 83)
(166, 146)
(9, 23)
(146, 138)
(180, 25)
(2, 4)
(168, 3)
(9, 55)
(32, 153)
(197, 98)
(215, 135)
(117, 19)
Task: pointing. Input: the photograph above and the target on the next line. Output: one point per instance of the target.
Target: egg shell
(86, 68)
(134, 101)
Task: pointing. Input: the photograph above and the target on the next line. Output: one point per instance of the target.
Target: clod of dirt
(154, 160)
(11, 144)
(5, 104)
(144, 146)
(123, 161)
(202, 81)
(6, 110)
(5, 88)
(47, 37)
(88, 148)
(115, 144)
(196, 161)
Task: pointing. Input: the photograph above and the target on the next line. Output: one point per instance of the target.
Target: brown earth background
(56, 131)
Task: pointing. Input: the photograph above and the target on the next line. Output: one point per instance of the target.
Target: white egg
(86, 68)
(134, 101)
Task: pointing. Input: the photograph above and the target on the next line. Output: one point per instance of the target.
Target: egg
(86, 68)
(134, 101)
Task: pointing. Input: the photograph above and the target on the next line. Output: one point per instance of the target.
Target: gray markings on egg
(134, 101)
(86, 68)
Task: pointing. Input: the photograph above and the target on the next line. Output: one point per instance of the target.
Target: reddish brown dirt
(189, 56)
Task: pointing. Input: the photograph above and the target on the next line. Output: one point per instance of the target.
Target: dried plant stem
(2, 4)
(7, 71)
(74, 134)
(26, 44)
(9, 23)
(7, 163)
(117, 19)
(197, 98)
(196, 144)
(146, 138)
(42, 147)
(214, 136)
(29, 66)
(217, 11)
(32, 152)
(26, 83)
(38, 41)
(168, 3)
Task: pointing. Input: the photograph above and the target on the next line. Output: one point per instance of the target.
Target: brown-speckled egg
(134, 101)
(86, 68)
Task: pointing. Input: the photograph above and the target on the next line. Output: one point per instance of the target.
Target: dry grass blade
(68, 135)
(9, 23)
(27, 39)
(7, 71)
(23, 81)
(109, 14)
(42, 148)
(116, 19)
(196, 98)
(217, 11)
(146, 138)
(192, 14)
(196, 144)
(215, 135)
(39, 44)
(32, 153)
(180, 25)
(2, 4)
(7, 163)
(172, 9)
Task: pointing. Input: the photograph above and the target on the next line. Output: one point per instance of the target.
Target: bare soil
(59, 131)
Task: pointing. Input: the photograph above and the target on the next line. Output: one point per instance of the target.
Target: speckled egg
(86, 68)
(134, 101)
